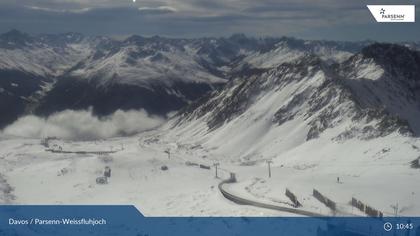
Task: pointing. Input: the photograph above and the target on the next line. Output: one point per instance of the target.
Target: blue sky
(312, 19)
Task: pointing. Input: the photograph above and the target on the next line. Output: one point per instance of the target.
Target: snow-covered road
(244, 201)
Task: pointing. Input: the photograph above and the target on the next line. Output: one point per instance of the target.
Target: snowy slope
(38, 55)
(319, 110)
(206, 60)
(311, 120)
(387, 77)
(315, 97)
(289, 49)
(136, 178)
(30, 66)
(145, 64)
(133, 73)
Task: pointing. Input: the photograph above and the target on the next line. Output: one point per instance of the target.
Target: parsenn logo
(393, 13)
(382, 11)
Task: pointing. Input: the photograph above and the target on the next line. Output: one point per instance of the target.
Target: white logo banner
(393, 13)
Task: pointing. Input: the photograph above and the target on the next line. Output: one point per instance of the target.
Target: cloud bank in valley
(83, 125)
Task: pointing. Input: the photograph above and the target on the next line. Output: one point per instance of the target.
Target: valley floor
(36, 176)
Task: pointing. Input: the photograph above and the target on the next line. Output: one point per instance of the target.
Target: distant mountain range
(44, 74)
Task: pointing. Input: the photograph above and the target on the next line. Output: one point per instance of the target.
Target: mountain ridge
(309, 97)
(67, 67)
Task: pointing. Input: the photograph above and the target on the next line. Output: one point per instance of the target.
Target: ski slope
(40, 177)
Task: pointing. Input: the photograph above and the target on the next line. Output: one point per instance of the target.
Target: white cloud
(83, 125)
(160, 9)
(81, 10)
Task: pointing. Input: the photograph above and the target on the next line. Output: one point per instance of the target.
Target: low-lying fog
(83, 125)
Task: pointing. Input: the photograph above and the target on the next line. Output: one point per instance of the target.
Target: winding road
(243, 201)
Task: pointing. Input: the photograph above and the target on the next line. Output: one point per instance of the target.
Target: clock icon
(387, 226)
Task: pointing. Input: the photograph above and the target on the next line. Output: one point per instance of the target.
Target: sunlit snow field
(377, 172)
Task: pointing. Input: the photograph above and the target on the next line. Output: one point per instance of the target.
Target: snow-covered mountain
(43, 74)
(44, 55)
(372, 94)
(320, 123)
(30, 65)
(338, 117)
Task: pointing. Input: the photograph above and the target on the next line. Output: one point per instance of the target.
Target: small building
(232, 178)
(107, 172)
